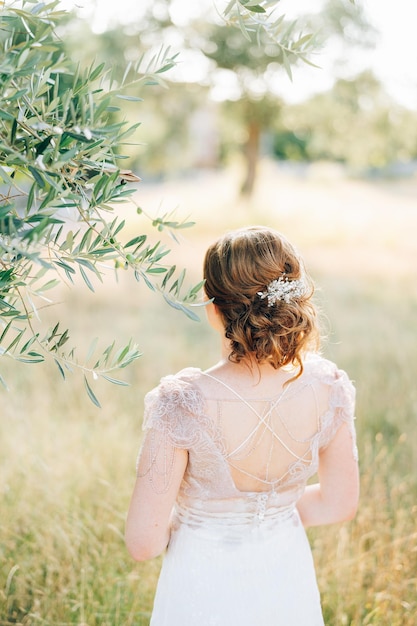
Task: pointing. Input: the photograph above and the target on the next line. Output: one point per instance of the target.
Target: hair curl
(238, 266)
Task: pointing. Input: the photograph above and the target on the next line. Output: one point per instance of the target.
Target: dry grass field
(67, 467)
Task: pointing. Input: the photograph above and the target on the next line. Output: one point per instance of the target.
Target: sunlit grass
(67, 468)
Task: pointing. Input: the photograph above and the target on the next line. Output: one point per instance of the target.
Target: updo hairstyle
(236, 268)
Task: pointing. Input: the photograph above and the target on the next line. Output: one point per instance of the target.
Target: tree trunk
(251, 156)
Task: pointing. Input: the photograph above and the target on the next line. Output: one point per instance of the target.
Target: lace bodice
(269, 446)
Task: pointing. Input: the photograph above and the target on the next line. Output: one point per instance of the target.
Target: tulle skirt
(262, 576)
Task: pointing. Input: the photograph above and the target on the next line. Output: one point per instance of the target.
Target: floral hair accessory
(283, 289)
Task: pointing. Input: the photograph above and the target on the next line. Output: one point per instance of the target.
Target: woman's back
(243, 437)
(268, 428)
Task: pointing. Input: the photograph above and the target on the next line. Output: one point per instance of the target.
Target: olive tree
(62, 155)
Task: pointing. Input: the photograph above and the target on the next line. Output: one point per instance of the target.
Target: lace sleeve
(169, 425)
(341, 410)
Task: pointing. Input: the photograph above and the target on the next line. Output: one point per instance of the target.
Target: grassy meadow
(67, 467)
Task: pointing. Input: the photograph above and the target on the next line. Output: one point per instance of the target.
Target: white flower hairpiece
(283, 289)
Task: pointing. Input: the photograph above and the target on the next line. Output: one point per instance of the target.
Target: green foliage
(272, 34)
(348, 21)
(265, 44)
(355, 123)
(289, 146)
(261, 46)
(61, 162)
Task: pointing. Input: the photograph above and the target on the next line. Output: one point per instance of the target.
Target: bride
(223, 475)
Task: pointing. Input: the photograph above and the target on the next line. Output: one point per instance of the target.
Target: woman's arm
(148, 520)
(335, 497)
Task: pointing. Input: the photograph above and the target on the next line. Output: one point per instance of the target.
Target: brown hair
(238, 266)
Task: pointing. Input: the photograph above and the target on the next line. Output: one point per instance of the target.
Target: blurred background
(329, 158)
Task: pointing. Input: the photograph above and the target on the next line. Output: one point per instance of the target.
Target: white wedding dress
(241, 557)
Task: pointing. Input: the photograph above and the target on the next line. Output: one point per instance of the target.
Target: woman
(223, 470)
